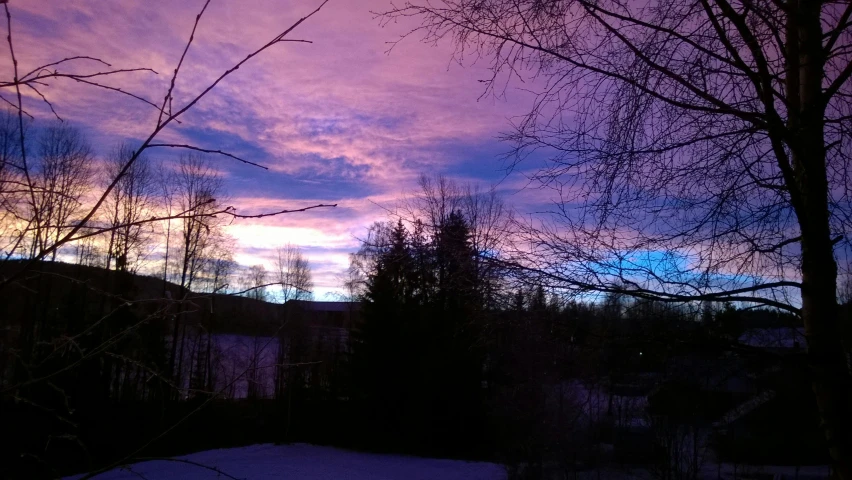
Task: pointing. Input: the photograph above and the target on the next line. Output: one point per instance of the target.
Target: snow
(310, 462)
(304, 462)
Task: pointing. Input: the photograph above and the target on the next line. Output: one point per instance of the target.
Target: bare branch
(206, 150)
(168, 98)
(280, 212)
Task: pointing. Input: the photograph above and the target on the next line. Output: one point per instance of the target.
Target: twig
(168, 97)
(280, 212)
(45, 101)
(68, 59)
(114, 89)
(15, 106)
(206, 150)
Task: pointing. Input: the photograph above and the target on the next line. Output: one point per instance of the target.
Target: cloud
(336, 121)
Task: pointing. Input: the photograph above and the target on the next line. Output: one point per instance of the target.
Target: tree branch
(206, 150)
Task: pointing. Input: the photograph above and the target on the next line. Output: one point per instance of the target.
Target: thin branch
(168, 98)
(835, 34)
(45, 101)
(280, 212)
(68, 59)
(193, 463)
(248, 57)
(16, 107)
(206, 150)
(20, 118)
(256, 287)
(114, 89)
(837, 83)
(57, 74)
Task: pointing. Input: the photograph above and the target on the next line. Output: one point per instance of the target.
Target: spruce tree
(382, 361)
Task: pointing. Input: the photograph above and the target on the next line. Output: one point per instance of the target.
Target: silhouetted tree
(126, 208)
(385, 357)
(420, 353)
(293, 273)
(61, 178)
(196, 186)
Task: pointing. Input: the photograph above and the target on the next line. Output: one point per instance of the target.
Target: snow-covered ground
(304, 462)
(310, 462)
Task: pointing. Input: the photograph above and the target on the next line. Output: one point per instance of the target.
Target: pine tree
(418, 358)
(382, 362)
(454, 343)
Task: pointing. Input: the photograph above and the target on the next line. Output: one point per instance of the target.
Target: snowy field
(309, 462)
(304, 462)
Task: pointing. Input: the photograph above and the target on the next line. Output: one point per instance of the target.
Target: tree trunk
(809, 192)
(208, 362)
(831, 381)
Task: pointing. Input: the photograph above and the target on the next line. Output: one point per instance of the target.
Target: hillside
(91, 291)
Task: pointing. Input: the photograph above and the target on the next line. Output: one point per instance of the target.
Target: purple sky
(337, 121)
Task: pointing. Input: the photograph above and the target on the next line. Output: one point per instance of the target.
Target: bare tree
(87, 251)
(294, 273)
(61, 178)
(12, 186)
(196, 187)
(699, 150)
(484, 210)
(221, 266)
(167, 196)
(255, 282)
(130, 202)
(437, 199)
(352, 280)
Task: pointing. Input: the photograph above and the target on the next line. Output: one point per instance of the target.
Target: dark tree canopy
(418, 358)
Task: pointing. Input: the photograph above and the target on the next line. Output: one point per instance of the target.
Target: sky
(340, 120)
